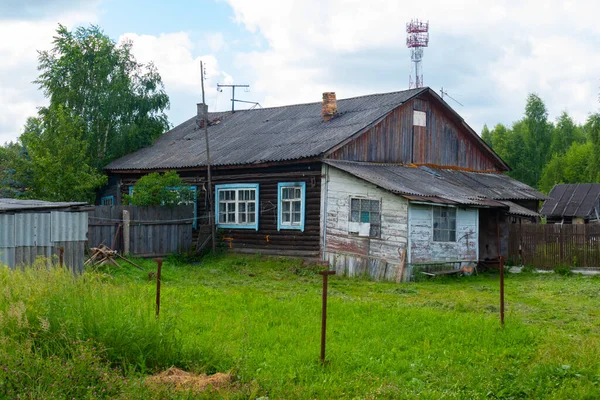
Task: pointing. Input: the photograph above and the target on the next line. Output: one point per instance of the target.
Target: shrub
(563, 270)
(528, 269)
(160, 190)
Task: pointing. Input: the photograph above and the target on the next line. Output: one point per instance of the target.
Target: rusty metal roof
(14, 205)
(263, 135)
(446, 186)
(572, 200)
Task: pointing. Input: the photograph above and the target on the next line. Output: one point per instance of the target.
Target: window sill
(237, 226)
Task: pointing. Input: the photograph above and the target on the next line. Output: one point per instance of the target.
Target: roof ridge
(422, 89)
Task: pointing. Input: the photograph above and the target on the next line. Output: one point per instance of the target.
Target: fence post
(126, 231)
(158, 275)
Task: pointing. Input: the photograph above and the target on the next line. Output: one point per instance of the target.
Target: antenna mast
(417, 37)
(233, 100)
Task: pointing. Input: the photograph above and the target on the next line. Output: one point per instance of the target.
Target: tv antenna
(256, 103)
(233, 100)
(445, 93)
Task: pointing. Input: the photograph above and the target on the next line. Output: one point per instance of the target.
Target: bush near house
(156, 189)
(95, 336)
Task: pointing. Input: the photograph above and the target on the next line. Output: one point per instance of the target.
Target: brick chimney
(200, 114)
(329, 108)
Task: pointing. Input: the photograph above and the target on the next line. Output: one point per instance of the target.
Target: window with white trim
(291, 205)
(363, 212)
(237, 206)
(444, 224)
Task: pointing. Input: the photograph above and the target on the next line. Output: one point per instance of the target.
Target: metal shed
(32, 228)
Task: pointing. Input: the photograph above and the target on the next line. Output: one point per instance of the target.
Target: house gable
(422, 131)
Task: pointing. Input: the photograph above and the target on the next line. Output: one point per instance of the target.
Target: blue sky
(488, 55)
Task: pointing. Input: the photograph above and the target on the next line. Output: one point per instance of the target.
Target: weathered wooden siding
(490, 225)
(267, 239)
(353, 255)
(443, 142)
(153, 232)
(424, 250)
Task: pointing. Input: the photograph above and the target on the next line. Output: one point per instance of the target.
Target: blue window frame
(237, 206)
(107, 201)
(291, 205)
(194, 189)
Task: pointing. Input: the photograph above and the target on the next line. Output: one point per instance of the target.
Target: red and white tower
(417, 37)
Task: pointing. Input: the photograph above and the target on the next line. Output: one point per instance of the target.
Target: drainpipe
(325, 197)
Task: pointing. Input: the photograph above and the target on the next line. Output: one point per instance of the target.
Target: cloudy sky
(486, 56)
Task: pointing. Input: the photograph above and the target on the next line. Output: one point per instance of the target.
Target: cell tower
(417, 37)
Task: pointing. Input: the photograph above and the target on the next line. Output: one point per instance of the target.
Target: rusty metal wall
(443, 142)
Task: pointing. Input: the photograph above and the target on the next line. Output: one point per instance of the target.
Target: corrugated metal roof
(442, 185)
(572, 200)
(263, 135)
(13, 205)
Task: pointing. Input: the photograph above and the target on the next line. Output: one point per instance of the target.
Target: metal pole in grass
(324, 313)
(61, 256)
(501, 264)
(158, 270)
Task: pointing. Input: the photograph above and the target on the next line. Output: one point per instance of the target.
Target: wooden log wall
(267, 240)
(443, 142)
(551, 245)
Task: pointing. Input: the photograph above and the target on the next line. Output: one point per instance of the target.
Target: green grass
(260, 319)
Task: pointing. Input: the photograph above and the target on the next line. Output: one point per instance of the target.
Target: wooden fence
(550, 245)
(151, 231)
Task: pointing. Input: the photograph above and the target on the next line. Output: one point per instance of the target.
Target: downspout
(325, 197)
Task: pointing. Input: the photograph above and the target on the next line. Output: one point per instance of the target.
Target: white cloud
(491, 56)
(215, 41)
(19, 97)
(173, 55)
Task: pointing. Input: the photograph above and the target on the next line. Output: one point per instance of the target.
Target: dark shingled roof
(572, 200)
(446, 186)
(13, 205)
(263, 135)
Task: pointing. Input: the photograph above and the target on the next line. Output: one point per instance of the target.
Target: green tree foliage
(120, 102)
(59, 164)
(486, 135)
(571, 167)
(160, 190)
(15, 170)
(542, 154)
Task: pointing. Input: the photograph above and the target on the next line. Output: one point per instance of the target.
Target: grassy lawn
(259, 318)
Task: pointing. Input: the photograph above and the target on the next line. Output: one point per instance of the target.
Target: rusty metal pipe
(325, 275)
(158, 271)
(61, 256)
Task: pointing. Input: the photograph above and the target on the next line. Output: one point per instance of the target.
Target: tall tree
(59, 163)
(564, 134)
(15, 170)
(486, 135)
(537, 138)
(120, 102)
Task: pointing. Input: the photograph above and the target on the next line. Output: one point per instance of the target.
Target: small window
(444, 224)
(366, 211)
(107, 201)
(237, 206)
(291, 203)
(419, 118)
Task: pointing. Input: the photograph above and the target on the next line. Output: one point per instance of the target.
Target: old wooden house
(370, 184)
(577, 203)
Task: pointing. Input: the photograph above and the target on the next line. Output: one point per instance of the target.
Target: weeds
(95, 336)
